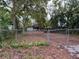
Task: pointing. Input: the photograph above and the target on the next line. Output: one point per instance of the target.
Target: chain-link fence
(58, 35)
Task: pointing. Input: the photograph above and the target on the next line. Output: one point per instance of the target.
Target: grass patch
(22, 44)
(28, 45)
(40, 44)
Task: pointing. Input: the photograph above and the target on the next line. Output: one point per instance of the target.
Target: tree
(72, 13)
(26, 7)
(66, 12)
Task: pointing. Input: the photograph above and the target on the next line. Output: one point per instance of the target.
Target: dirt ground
(53, 51)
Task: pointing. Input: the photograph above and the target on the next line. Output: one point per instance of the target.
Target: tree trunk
(13, 15)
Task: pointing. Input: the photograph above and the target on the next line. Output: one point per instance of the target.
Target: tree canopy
(65, 13)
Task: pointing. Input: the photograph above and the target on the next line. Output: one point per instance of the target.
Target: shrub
(6, 34)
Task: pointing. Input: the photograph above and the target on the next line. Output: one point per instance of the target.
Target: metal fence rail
(66, 32)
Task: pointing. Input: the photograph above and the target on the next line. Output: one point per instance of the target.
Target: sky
(9, 3)
(49, 9)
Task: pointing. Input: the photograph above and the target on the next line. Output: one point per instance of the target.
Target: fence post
(48, 36)
(16, 36)
(68, 36)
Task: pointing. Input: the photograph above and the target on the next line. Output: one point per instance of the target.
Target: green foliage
(67, 14)
(4, 22)
(12, 43)
(40, 44)
(27, 23)
(27, 45)
(4, 17)
(39, 16)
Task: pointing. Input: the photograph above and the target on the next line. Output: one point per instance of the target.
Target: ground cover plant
(16, 44)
